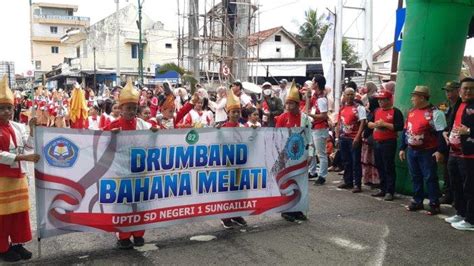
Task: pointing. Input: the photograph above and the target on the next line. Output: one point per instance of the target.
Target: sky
(15, 29)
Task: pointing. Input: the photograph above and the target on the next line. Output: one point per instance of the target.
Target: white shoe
(463, 225)
(454, 219)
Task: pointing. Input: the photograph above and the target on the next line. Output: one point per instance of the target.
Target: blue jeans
(384, 153)
(319, 140)
(351, 161)
(423, 168)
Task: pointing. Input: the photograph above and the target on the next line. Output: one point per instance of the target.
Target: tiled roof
(259, 37)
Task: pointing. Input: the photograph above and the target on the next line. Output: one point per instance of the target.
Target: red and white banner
(136, 180)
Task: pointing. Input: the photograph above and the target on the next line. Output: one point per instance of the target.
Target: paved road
(344, 228)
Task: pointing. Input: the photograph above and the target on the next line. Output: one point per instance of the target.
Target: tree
(312, 33)
(187, 77)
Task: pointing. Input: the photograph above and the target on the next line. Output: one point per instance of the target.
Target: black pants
(469, 189)
(384, 153)
(457, 171)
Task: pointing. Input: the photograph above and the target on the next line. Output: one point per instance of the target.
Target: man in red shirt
(293, 117)
(320, 132)
(423, 135)
(386, 122)
(461, 159)
(352, 118)
(128, 101)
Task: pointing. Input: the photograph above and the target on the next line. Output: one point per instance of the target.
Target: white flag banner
(327, 52)
(136, 180)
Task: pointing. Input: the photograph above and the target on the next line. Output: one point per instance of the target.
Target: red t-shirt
(288, 120)
(454, 138)
(382, 134)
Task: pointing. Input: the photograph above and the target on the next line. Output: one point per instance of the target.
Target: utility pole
(193, 37)
(9, 80)
(241, 31)
(394, 66)
(368, 35)
(140, 44)
(338, 74)
(95, 74)
(117, 32)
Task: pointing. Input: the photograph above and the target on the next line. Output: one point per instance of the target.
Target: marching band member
(293, 117)
(14, 204)
(128, 102)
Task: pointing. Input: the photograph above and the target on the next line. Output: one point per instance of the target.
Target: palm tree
(310, 33)
(186, 76)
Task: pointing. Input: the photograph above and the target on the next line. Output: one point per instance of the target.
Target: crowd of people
(360, 142)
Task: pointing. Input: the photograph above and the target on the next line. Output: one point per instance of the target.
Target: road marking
(346, 243)
(203, 238)
(382, 248)
(147, 247)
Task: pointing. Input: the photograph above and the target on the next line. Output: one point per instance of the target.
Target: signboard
(136, 180)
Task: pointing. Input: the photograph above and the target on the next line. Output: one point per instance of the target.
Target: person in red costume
(14, 216)
(128, 101)
(169, 119)
(293, 117)
(233, 114)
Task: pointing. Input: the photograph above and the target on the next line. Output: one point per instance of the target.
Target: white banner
(327, 51)
(136, 180)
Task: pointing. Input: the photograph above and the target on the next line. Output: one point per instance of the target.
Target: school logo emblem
(61, 152)
(295, 146)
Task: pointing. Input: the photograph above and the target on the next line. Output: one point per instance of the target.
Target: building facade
(100, 41)
(48, 23)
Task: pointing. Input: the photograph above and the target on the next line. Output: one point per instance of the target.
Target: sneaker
(415, 206)
(227, 223)
(288, 216)
(345, 186)
(341, 172)
(320, 181)
(463, 226)
(331, 169)
(22, 251)
(300, 216)
(124, 244)
(312, 176)
(454, 219)
(379, 195)
(239, 221)
(357, 189)
(10, 256)
(138, 241)
(388, 197)
(434, 209)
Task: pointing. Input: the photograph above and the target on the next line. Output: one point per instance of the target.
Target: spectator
(423, 136)
(271, 106)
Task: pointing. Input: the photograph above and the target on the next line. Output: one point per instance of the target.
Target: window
(278, 50)
(54, 50)
(78, 51)
(38, 64)
(134, 51)
(168, 45)
(277, 38)
(53, 29)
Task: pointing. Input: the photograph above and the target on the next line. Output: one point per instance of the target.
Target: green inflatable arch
(434, 39)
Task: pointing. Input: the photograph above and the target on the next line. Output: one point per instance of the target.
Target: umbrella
(251, 87)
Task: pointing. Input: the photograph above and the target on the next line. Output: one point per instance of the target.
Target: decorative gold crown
(129, 94)
(6, 94)
(293, 94)
(233, 102)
